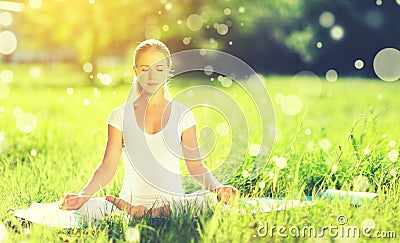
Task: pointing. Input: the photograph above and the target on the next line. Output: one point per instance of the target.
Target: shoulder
(119, 109)
(180, 107)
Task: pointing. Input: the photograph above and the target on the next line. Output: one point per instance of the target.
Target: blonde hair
(151, 44)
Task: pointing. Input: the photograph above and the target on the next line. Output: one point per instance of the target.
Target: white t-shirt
(151, 161)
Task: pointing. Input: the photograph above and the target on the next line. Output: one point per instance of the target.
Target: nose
(151, 73)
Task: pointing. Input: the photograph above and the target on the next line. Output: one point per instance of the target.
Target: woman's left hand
(139, 210)
(121, 204)
(226, 193)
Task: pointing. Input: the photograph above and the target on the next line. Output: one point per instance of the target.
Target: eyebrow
(145, 65)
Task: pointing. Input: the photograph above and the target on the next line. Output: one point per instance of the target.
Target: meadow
(345, 135)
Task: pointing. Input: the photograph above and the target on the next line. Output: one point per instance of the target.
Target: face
(152, 70)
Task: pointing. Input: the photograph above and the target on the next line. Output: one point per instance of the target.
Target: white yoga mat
(96, 208)
(267, 205)
(51, 215)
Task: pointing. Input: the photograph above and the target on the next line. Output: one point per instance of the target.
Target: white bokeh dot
(26, 122)
(325, 144)
(368, 224)
(86, 102)
(35, 72)
(222, 29)
(35, 4)
(168, 6)
(132, 235)
(271, 175)
(194, 22)
(105, 79)
(8, 42)
(186, 40)
(291, 105)
(33, 152)
(208, 70)
(387, 64)
(6, 76)
(222, 129)
(87, 67)
(254, 149)
(70, 90)
(359, 64)
(227, 11)
(331, 75)
(96, 93)
(280, 162)
(190, 93)
(226, 82)
(6, 19)
(326, 19)
(360, 183)
(393, 155)
(3, 233)
(392, 144)
(337, 32)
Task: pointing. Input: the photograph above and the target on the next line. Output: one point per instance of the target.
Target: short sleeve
(115, 119)
(186, 121)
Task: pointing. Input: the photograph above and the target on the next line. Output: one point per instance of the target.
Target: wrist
(84, 194)
(216, 187)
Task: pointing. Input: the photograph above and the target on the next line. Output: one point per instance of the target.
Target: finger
(118, 202)
(65, 205)
(138, 210)
(235, 191)
(67, 196)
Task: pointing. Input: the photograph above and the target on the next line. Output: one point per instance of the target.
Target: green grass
(352, 113)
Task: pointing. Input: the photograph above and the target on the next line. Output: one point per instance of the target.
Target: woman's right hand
(72, 201)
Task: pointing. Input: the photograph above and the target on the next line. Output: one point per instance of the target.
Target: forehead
(151, 57)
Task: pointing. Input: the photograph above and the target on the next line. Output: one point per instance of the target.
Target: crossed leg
(139, 210)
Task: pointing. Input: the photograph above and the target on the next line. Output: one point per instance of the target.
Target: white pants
(96, 208)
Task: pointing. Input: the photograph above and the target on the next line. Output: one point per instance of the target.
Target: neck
(153, 99)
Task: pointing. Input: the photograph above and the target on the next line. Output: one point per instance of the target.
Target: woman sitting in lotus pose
(151, 131)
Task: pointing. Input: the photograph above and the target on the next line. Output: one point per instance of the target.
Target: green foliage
(68, 151)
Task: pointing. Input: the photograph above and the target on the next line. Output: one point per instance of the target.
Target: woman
(147, 184)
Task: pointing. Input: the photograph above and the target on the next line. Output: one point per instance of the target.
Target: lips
(152, 84)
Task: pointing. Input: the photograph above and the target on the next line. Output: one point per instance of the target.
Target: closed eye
(159, 68)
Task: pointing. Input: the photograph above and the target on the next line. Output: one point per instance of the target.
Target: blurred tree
(284, 36)
(91, 29)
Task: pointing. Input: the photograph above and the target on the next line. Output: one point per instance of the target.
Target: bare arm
(194, 162)
(106, 170)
